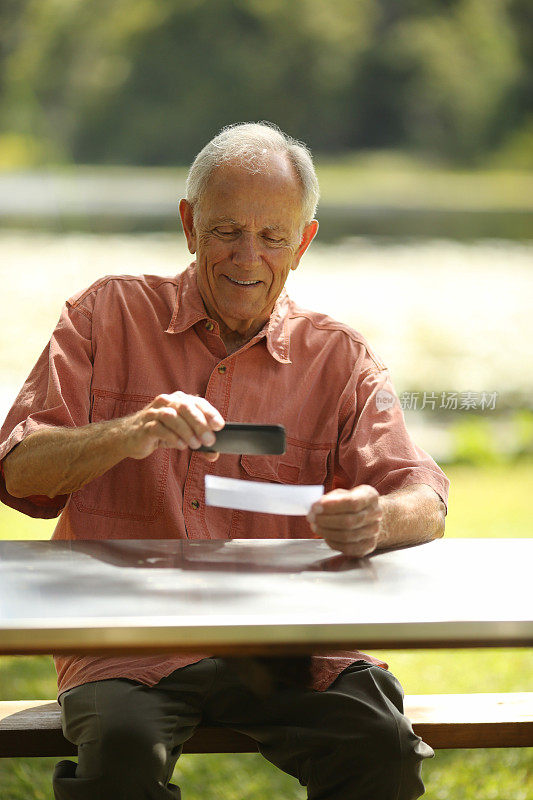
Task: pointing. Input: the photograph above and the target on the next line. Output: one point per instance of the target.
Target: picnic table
(270, 597)
(261, 596)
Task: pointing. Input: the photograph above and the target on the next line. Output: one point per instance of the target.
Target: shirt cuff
(37, 506)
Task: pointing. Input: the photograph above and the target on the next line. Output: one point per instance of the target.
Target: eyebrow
(230, 221)
(279, 228)
(224, 221)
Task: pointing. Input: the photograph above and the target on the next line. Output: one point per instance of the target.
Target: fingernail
(311, 517)
(317, 509)
(208, 438)
(194, 442)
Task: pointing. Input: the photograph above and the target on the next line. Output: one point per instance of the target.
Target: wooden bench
(33, 727)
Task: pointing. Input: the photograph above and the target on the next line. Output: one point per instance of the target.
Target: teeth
(243, 283)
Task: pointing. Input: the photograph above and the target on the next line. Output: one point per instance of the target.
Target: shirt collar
(189, 309)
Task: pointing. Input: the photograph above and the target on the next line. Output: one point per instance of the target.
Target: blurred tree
(147, 81)
(212, 62)
(453, 71)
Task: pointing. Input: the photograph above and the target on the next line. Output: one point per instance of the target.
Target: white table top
(261, 596)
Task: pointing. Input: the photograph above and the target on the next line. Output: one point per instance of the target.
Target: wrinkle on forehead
(225, 220)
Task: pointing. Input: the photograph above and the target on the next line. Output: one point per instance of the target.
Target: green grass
(505, 774)
(493, 501)
(396, 180)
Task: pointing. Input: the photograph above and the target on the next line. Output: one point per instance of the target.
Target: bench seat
(33, 727)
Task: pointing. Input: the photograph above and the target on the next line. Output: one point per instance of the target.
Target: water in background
(445, 316)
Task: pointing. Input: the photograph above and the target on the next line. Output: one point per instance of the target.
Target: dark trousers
(351, 741)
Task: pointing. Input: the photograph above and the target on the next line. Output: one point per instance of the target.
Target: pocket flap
(299, 465)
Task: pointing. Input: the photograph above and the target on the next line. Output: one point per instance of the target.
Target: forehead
(273, 194)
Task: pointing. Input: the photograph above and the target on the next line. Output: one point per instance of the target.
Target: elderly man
(139, 372)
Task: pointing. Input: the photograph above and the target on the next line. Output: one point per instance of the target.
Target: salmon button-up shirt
(125, 340)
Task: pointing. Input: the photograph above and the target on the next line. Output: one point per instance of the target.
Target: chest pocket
(133, 489)
(298, 465)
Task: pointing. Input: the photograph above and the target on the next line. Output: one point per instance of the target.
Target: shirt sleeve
(375, 447)
(55, 394)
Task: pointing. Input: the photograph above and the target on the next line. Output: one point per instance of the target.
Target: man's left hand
(349, 520)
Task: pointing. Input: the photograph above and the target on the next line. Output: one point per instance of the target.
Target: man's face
(247, 235)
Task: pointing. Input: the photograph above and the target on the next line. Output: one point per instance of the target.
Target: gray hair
(248, 144)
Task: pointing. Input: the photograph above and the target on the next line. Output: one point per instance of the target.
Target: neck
(233, 340)
(235, 337)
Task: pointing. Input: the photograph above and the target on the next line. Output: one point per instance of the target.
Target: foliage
(146, 81)
(523, 420)
(517, 150)
(459, 68)
(475, 439)
(474, 442)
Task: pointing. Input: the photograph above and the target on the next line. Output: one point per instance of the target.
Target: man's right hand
(175, 420)
(59, 461)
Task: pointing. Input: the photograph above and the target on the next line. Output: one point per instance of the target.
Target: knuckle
(150, 426)
(177, 399)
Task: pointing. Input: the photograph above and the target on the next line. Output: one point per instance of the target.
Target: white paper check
(269, 498)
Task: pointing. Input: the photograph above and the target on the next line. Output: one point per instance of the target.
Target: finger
(347, 522)
(340, 501)
(163, 400)
(354, 549)
(201, 417)
(213, 416)
(165, 436)
(168, 438)
(200, 420)
(347, 535)
(209, 456)
(174, 421)
(344, 537)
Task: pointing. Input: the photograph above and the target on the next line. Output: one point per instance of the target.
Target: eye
(272, 239)
(225, 231)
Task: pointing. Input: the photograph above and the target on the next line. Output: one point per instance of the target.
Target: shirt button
(209, 325)
(195, 504)
(222, 369)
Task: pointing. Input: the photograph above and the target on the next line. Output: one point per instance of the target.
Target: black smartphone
(248, 439)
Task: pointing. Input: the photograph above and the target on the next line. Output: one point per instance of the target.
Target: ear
(187, 220)
(308, 235)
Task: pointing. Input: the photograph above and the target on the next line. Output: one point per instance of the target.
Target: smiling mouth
(242, 283)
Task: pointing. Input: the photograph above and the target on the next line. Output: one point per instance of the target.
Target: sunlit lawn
(396, 180)
(484, 502)
(493, 501)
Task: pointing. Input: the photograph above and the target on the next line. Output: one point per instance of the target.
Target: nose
(246, 251)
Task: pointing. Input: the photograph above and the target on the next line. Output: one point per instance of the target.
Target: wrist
(122, 438)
